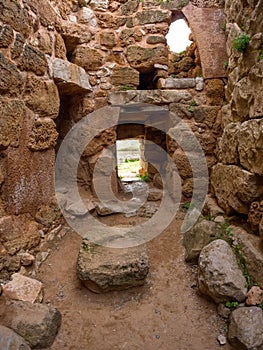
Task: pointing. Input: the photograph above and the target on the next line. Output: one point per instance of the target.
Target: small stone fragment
(26, 259)
(254, 296)
(221, 339)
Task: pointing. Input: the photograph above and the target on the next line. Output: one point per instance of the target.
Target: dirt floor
(165, 314)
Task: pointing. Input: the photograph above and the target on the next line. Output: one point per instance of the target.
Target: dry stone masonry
(61, 61)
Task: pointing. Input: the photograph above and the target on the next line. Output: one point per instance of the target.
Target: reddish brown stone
(43, 136)
(33, 60)
(108, 38)
(18, 46)
(88, 58)
(25, 190)
(125, 76)
(206, 25)
(144, 58)
(42, 97)
(10, 78)
(11, 117)
(6, 36)
(60, 47)
(13, 14)
(214, 89)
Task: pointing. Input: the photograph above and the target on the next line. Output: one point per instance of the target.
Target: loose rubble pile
(230, 268)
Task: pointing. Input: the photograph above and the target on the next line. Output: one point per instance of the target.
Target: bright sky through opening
(177, 37)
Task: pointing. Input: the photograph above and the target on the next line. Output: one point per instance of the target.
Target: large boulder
(102, 269)
(235, 188)
(38, 324)
(219, 275)
(246, 328)
(251, 249)
(197, 238)
(9, 340)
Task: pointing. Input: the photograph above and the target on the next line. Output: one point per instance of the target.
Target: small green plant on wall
(241, 42)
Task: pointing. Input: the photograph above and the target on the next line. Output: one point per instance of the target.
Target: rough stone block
(122, 76)
(6, 36)
(235, 188)
(152, 17)
(197, 238)
(206, 25)
(11, 118)
(38, 324)
(10, 340)
(103, 269)
(17, 232)
(10, 78)
(251, 249)
(250, 145)
(42, 97)
(88, 58)
(23, 288)
(246, 328)
(73, 35)
(219, 275)
(33, 60)
(176, 83)
(13, 14)
(144, 58)
(43, 136)
(69, 77)
(228, 153)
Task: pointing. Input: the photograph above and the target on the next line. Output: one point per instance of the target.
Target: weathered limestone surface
(197, 238)
(235, 188)
(219, 275)
(69, 77)
(103, 269)
(10, 340)
(38, 324)
(246, 328)
(251, 249)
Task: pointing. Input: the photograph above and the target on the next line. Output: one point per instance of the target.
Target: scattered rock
(223, 311)
(26, 259)
(254, 296)
(219, 275)
(9, 340)
(219, 220)
(154, 194)
(197, 238)
(221, 339)
(38, 324)
(246, 328)
(23, 288)
(103, 269)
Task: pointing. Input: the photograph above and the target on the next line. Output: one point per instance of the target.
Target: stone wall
(60, 61)
(237, 180)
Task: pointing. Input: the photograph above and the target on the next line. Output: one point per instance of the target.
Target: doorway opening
(129, 165)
